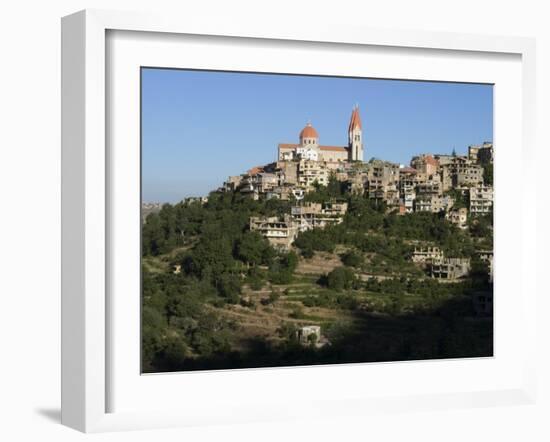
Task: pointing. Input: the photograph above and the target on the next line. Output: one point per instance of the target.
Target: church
(310, 149)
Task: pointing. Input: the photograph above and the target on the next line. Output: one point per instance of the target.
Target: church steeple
(355, 136)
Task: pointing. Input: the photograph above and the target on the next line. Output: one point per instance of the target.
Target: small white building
(309, 334)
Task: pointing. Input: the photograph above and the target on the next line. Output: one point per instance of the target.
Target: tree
(352, 259)
(488, 174)
(153, 235)
(229, 287)
(341, 278)
(253, 249)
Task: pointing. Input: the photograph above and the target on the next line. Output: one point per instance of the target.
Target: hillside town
(456, 186)
(322, 257)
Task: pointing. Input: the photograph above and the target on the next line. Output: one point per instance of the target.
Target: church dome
(308, 132)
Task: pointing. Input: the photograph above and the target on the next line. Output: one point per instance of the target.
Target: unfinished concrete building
(424, 255)
(280, 233)
(449, 268)
(309, 335)
(316, 215)
(383, 181)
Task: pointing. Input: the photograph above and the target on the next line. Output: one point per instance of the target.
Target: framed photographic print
(277, 223)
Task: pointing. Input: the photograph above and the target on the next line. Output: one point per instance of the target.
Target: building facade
(309, 148)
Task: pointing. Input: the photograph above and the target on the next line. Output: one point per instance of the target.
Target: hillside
(216, 295)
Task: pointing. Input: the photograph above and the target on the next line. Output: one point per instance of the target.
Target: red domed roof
(309, 132)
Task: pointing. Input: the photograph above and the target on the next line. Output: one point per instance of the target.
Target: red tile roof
(255, 170)
(288, 146)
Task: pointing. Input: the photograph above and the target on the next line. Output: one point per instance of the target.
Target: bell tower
(355, 136)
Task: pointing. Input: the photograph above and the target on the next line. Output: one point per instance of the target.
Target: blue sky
(200, 127)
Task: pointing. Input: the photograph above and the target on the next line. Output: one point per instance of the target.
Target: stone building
(309, 148)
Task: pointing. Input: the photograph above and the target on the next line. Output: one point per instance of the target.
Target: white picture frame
(86, 317)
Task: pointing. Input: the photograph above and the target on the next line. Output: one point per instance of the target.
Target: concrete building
(316, 215)
(309, 335)
(407, 188)
(449, 268)
(280, 233)
(473, 152)
(482, 154)
(383, 181)
(487, 257)
(481, 200)
(469, 175)
(459, 171)
(433, 203)
(425, 163)
(310, 172)
(232, 183)
(458, 217)
(424, 255)
(486, 153)
(357, 182)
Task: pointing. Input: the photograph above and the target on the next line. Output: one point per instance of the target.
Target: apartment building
(481, 200)
(310, 172)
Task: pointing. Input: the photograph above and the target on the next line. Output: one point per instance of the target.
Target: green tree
(253, 249)
(352, 259)
(488, 174)
(341, 278)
